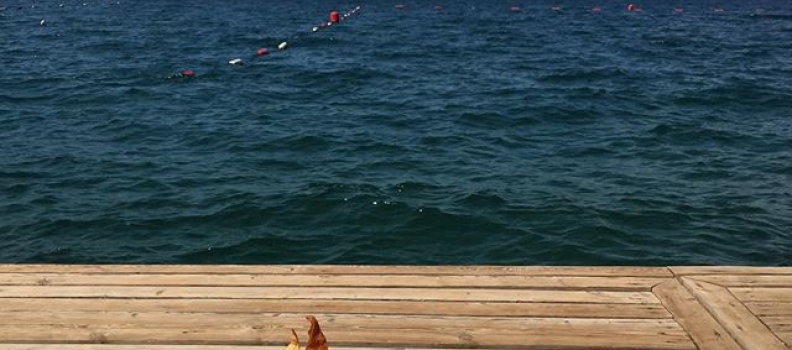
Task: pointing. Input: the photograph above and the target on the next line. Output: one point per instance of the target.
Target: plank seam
(709, 307)
(728, 290)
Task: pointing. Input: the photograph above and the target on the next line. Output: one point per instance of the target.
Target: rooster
(316, 339)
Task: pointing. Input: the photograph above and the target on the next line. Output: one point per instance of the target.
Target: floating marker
(262, 51)
(516, 9)
(334, 16)
(438, 7)
(43, 23)
(596, 9)
(717, 9)
(678, 10)
(236, 62)
(61, 5)
(556, 8)
(315, 29)
(283, 46)
(399, 6)
(631, 7)
(187, 73)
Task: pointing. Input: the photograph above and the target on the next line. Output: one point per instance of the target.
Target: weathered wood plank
(729, 270)
(778, 324)
(559, 339)
(444, 294)
(747, 280)
(503, 309)
(783, 295)
(741, 324)
(229, 280)
(769, 308)
(706, 332)
(786, 338)
(332, 321)
(626, 271)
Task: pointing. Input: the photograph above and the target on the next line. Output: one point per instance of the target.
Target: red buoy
(262, 51)
(187, 73)
(631, 7)
(334, 17)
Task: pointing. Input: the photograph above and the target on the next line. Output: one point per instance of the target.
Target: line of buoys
(334, 17)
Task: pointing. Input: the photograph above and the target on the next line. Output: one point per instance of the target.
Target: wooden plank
(729, 270)
(285, 322)
(782, 295)
(705, 331)
(769, 308)
(778, 324)
(786, 338)
(741, 324)
(747, 280)
(559, 339)
(622, 271)
(228, 280)
(503, 309)
(444, 294)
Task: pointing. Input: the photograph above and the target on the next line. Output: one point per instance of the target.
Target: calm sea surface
(469, 134)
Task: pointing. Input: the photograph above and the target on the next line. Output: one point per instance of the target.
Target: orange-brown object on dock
(316, 339)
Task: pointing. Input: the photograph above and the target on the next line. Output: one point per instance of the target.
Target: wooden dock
(232, 307)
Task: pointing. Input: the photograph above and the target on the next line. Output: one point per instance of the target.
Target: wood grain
(706, 332)
(743, 326)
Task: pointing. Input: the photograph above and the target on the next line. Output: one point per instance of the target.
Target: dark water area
(469, 134)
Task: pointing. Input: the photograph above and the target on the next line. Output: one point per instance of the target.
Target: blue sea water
(470, 134)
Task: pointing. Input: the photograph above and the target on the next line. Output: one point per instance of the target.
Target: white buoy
(315, 29)
(236, 62)
(43, 23)
(283, 46)
(61, 5)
